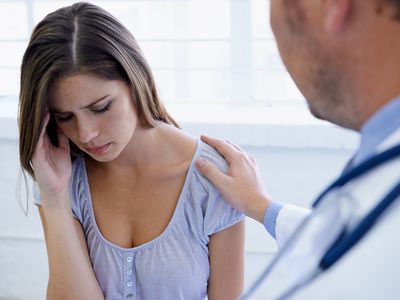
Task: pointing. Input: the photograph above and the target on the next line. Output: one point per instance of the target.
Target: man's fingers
(237, 147)
(210, 171)
(213, 142)
(224, 148)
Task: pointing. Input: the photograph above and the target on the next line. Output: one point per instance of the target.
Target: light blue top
(377, 128)
(175, 265)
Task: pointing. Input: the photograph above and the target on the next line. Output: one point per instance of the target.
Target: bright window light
(214, 52)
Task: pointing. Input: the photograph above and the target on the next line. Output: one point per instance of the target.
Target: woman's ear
(336, 14)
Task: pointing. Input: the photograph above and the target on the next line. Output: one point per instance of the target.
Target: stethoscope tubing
(345, 241)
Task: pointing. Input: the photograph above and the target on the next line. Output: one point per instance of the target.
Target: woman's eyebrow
(57, 111)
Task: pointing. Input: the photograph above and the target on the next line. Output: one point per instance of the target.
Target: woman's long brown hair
(82, 38)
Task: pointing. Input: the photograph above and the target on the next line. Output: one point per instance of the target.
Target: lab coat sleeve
(289, 217)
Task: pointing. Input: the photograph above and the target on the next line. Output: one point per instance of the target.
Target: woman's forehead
(81, 90)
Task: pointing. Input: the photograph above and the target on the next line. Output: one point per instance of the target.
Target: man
(344, 57)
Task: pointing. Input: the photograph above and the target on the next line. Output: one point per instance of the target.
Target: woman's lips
(99, 150)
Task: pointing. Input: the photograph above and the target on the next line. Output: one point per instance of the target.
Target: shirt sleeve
(288, 219)
(217, 214)
(270, 216)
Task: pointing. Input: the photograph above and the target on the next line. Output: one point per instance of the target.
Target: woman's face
(96, 114)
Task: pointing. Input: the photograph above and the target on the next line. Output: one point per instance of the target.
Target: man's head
(335, 49)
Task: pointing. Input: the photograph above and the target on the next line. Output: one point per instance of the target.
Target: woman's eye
(102, 109)
(63, 118)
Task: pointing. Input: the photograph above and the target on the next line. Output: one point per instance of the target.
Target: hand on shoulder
(241, 186)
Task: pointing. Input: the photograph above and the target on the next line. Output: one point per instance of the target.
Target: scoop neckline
(171, 222)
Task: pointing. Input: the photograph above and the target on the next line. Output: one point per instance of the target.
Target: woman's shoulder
(207, 152)
(197, 180)
(191, 148)
(181, 144)
(212, 213)
(212, 155)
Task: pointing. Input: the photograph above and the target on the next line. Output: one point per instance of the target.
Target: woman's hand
(51, 164)
(241, 186)
(71, 278)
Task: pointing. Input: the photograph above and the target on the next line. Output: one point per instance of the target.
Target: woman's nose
(86, 132)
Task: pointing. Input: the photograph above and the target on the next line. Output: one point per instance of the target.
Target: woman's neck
(150, 150)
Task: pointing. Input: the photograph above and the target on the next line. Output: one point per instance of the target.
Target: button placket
(129, 280)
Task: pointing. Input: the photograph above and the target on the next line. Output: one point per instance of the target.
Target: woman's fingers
(45, 122)
(63, 141)
(42, 139)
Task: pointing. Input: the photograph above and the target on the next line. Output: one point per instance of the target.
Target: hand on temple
(51, 164)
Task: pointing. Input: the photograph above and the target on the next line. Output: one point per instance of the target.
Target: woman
(125, 212)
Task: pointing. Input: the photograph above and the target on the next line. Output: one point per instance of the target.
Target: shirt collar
(377, 128)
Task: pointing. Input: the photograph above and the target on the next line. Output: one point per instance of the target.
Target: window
(201, 51)
(215, 63)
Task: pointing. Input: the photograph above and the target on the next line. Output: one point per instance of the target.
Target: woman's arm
(226, 250)
(71, 274)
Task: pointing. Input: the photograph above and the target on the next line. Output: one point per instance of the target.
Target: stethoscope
(345, 239)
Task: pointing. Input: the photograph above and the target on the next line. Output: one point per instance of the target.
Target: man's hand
(241, 186)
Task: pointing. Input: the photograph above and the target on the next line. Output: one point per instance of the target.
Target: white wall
(292, 173)
(223, 77)
(23, 262)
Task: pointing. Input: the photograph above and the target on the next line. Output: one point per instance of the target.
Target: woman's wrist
(55, 201)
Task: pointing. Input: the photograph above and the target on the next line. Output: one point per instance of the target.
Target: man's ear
(336, 14)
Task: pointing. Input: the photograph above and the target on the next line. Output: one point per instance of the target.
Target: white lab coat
(371, 269)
